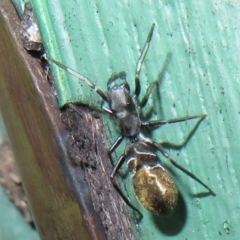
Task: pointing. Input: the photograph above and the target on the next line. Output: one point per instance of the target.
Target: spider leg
(173, 162)
(115, 185)
(80, 77)
(140, 62)
(155, 123)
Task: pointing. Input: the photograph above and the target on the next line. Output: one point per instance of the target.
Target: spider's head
(118, 81)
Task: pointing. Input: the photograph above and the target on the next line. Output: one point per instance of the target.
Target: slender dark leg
(185, 140)
(155, 123)
(151, 86)
(80, 77)
(116, 169)
(146, 96)
(114, 146)
(116, 143)
(74, 108)
(173, 162)
(107, 110)
(140, 61)
(112, 178)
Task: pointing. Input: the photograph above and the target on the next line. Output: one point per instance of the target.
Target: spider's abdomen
(155, 189)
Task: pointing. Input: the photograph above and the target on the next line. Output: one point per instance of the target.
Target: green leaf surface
(99, 38)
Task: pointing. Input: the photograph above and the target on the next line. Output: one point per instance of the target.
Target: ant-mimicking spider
(153, 185)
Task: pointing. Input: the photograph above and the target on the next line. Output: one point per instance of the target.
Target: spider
(153, 185)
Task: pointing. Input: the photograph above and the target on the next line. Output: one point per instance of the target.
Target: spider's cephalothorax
(122, 105)
(153, 185)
